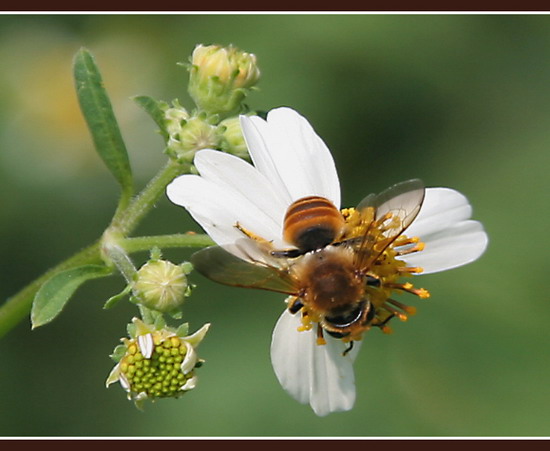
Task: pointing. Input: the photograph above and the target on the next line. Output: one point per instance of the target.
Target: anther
(410, 269)
(404, 240)
(383, 219)
(395, 312)
(409, 288)
(418, 247)
(306, 323)
(406, 308)
(421, 293)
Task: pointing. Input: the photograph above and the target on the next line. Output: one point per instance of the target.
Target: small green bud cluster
(175, 117)
(232, 139)
(220, 78)
(189, 133)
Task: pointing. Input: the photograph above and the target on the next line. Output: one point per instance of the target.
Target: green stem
(124, 222)
(121, 259)
(145, 243)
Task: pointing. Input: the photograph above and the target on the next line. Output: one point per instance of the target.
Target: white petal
(190, 359)
(442, 207)
(219, 210)
(114, 375)
(190, 383)
(286, 149)
(196, 338)
(146, 345)
(310, 373)
(235, 174)
(124, 382)
(451, 239)
(255, 132)
(455, 246)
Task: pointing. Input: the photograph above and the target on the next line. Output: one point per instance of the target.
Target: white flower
(291, 162)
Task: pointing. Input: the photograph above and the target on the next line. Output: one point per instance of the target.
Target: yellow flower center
(159, 376)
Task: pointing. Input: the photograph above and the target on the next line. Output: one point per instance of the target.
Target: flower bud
(161, 285)
(156, 363)
(175, 117)
(220, 77)
(232, 139)
(192, 135)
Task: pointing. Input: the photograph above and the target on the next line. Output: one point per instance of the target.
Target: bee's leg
(349, 348)
(288, 253)
(383, 325)
(252, 235)
(320, 339)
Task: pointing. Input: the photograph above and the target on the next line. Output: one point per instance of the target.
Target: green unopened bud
(175, 117)
(232, 139)
(161, 285)
(193, 134)
(156, 363)
(220, 77)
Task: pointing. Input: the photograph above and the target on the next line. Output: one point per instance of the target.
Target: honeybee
(332, 274)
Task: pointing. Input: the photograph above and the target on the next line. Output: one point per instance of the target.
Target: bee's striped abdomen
(312, 222)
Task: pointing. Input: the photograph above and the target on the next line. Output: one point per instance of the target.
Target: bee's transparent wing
(222, 266)
(403, 200)
(394, 210)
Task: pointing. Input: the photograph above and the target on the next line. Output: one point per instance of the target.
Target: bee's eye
(373, 281)
(296, 306)
(346, 317)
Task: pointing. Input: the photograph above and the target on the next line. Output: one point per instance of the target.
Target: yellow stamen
(306, 323)
(403, 240)
(422, 293)
(410, 269)
(395, 312)
(383, 219)
(406, 308)
(416, 248)
(409, 288)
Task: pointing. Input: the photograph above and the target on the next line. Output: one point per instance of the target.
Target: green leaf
(98, 113)
(118, 353)
(153, 108)
(113, 300)
(54, 293)
(183, 330)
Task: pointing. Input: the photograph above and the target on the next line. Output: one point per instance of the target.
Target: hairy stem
(124, 222)
(145, 243)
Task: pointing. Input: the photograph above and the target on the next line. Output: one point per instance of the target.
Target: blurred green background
(457, 100)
